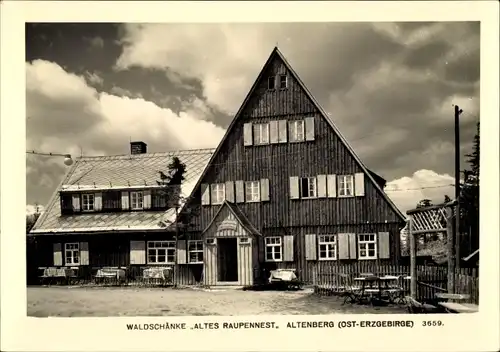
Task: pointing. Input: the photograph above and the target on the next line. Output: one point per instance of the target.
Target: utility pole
(458, 111)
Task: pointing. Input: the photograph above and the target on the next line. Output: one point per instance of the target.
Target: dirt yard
(110, 301)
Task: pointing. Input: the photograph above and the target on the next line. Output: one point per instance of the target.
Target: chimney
(138, 148)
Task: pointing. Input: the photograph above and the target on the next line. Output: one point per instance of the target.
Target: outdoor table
(110, 274)
(58, 274)
(163, 274)
(453, 307)
(371, 290)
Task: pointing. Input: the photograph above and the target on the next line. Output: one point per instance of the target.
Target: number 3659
(432, 323)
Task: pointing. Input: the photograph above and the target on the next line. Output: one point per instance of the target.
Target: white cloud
(68, 116)
(94, 78)
(406, 192)
(226, 58)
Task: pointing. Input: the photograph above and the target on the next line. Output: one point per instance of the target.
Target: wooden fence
(328, 277)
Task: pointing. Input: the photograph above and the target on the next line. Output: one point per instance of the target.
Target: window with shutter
(346, 186)
(367, 246)
(309, 127)
(294, 187)
(264, 190)
(87, 202)
(273, 249)
(247, 134)
(310, 247)
(252, 191)
(359, 184)
(218, 193)
(322, 188)
(261, 133)
(205, 194)
(240, 191)
(327, 247)
(308, 187)
(288, 248)
(384, 250)
(161, 252)
(296, 131)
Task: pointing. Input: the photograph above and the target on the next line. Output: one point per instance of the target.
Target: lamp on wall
(68, 161)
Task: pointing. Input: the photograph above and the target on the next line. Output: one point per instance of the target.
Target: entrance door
(227, 259)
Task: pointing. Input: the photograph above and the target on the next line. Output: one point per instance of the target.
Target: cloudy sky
(389, 87)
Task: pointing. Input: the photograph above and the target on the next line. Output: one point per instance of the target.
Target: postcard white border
(460, 333)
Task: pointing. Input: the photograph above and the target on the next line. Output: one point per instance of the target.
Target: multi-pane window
(72, 253)
(218, 191)
(273, 249)
(87, 202)
(195, 251)
(327, 245)
(111, 200)
(283, 82)
(271, 82)
(296, 130)
(137, 200)
(252, 192)
(367, 246)
(158, 199)
(346, 186)
(261, 133)
(308, 187)
(161, 252)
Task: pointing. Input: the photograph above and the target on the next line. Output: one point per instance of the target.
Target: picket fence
(328, 277)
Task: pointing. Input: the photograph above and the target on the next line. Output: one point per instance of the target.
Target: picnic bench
(387, 286)
(453, 303)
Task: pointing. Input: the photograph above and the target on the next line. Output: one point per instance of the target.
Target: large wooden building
(283, 189)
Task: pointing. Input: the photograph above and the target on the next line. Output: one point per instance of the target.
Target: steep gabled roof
(118, 172)
(238, 214)
(274, 53)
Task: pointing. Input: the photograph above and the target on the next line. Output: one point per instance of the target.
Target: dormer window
(137, 200)
(283, 82)
(271, 83)
(87, 202)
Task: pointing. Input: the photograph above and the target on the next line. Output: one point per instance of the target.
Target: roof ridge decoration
(277, 52)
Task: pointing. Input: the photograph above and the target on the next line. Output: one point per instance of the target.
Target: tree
(469, 199)
(424, 203)
(32, 218)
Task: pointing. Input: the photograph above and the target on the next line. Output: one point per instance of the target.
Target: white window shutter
(205, 194)
(294, 187)
(331, 181)
(98, 201)
(273, 132)
(353, 246)
(311, 247)
(137, 252)
(282, 131)
(322, 191)
(359, 184)
(240, 191)
(229, 191)
(343, 245)
(181, 252)
(147, 199)
(84, 253)
(125, 201)
(76, 202)
(384, 250)
(288, 248)
(309, 124)
(57, 252)
(247, 134)
(264, 190)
